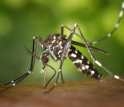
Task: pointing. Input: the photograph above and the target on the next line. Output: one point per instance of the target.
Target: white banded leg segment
(13, 83)
(115, 27)
(123, 5)
(109, 35)
(34, 37)
(101, 66)
(110, 73)
(98, 63)
(29, 72)
(121, 13)
(116, 77)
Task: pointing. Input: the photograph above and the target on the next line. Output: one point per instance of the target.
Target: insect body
(59, 47)
(55, 44)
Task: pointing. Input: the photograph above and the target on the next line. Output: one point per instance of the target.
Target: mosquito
(59, 47)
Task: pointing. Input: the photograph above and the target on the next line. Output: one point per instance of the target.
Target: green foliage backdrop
(22, 19)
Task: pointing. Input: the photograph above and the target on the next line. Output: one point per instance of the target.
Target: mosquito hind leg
(95, 61)
(115, 27)
(86, 43)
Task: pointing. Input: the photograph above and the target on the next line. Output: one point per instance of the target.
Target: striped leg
(109, 34)
(115, 28)
(23, 76)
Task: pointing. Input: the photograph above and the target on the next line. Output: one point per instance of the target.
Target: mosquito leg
(109, 72)
(23, 76)
(82, 44)
(109, 34)
(69, 29)
(60, 73)
(60, 70)
(115, 28)
(47, 83)
(86, 43)
(43, 72)
(62, 30)
(90, 46)
(45, 59)
(56, 81)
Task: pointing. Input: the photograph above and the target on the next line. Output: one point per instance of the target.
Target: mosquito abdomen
(82, 63)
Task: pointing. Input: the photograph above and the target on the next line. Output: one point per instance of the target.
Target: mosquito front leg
(23, 76)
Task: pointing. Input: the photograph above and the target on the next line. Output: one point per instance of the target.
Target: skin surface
(86, 93)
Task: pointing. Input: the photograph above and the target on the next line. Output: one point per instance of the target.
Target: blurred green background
(22, 19)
